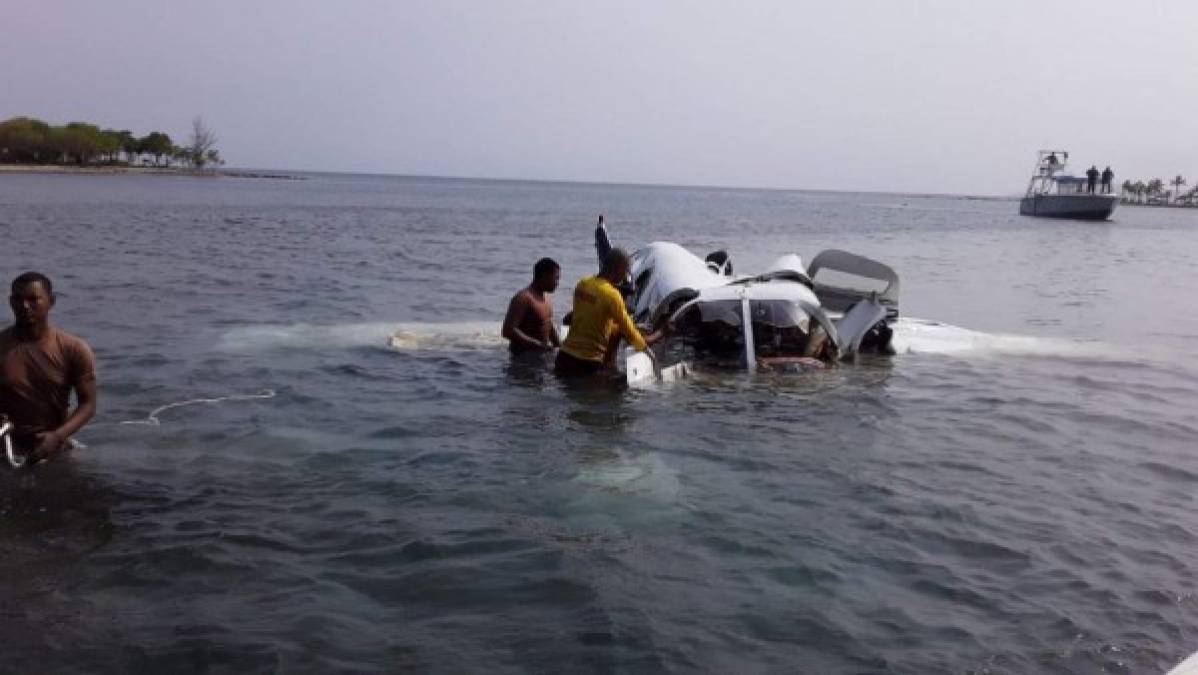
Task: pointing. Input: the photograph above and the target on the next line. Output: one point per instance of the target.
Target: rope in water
(17, 461)
(152, 418)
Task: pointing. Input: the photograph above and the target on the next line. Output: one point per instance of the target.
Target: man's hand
(49, 443)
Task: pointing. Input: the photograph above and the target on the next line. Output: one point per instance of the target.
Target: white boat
(1052, 193)
(787, 316)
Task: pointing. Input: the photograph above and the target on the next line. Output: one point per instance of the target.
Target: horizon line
(617, 183)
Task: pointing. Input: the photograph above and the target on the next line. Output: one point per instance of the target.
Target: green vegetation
(1154, 192)
(25, 140)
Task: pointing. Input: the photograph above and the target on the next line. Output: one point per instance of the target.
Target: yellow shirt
(599, 314)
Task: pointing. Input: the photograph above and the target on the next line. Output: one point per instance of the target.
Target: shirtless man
(40, 365)
(528, 325)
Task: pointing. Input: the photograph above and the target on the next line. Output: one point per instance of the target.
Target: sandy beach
(140, 170)
(101, 170)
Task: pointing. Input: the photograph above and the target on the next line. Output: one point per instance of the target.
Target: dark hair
(32, 278)
(544, 266)
(616, 258)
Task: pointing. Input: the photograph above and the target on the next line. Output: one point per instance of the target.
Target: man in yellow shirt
(600, 320)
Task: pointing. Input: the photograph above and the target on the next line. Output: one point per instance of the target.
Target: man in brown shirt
(528, 325)
(39, 367)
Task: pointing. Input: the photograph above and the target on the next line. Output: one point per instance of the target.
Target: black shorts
(568, 365)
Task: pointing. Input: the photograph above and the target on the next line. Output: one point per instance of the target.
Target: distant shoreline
(116, 170)
(1159, 205)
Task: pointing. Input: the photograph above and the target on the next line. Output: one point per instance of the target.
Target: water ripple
(1011, 497)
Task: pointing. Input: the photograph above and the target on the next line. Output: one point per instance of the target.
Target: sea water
(314, 453)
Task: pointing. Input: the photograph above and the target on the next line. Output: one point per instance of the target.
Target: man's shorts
(568, 365)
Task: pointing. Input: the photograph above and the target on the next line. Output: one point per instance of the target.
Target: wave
(394, 335)
(457, 336)
(911, 336)
(920, 336)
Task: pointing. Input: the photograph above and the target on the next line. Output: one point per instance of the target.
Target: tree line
(26, 140)
(1154, 192)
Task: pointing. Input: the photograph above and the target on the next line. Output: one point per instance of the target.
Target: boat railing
(1064, 185)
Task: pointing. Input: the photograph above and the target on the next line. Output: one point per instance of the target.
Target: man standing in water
(600, 319)
(40, 365)
(528, 325)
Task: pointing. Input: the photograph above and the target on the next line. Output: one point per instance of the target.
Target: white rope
(153, 421)
(17, 461)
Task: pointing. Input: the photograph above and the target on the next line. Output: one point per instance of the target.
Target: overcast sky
(930, 96)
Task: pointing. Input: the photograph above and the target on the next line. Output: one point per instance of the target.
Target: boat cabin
(1049, 176)
(1070, 184)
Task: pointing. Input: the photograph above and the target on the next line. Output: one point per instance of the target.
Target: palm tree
(1177, 182)
(1140, 189)
(1155, 187)
(1128, 188)
(1188, 197)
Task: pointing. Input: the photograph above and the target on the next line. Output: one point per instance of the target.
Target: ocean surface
(271, 485)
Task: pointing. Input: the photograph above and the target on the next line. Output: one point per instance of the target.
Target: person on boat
(1049, 166)
(528, 326)
(40, 365)
(1091, 178)
(1107, 177)
(600, 319)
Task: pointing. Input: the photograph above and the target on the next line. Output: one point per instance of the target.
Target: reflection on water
(529, 369)
(49, 505)
(53, 518)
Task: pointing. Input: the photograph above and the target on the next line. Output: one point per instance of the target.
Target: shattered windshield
(780, 328)
(775, 313)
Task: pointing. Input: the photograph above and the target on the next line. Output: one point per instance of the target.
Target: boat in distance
(1052, 193)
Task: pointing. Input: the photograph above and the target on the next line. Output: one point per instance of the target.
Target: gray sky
(934, 96)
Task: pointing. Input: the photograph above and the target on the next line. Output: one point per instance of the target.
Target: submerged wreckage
(787, 316)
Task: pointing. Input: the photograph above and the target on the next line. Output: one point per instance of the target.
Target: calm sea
(270, 486)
